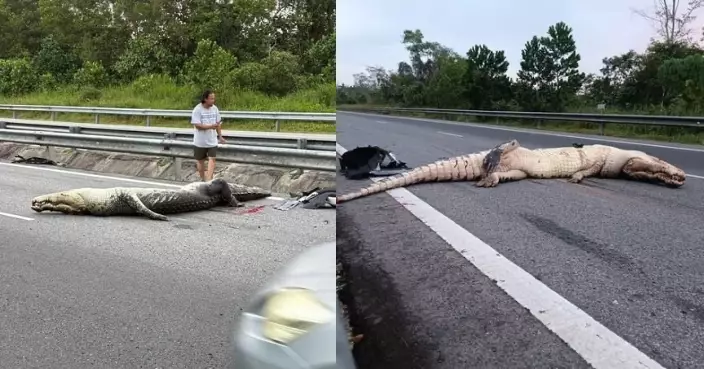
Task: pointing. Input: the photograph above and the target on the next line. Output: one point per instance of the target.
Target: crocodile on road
(576, 163)
(510, 160)
(150, 202)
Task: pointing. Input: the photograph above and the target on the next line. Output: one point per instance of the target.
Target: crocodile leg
(133, 201)
(591, 171)
(66, 209)
(493, 179)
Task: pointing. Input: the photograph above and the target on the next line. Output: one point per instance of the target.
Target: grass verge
(165, 94)
(685, 135)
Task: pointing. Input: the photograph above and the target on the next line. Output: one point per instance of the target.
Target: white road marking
(450, 134)
(598, 345)
(381, 122)
(111, 178)
(694, 176)
(15, 216)
(543, 133)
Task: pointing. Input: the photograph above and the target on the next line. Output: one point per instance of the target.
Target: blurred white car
(295, 321)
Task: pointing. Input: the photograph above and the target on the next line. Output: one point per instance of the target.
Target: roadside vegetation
(666, 79)
(257, 56)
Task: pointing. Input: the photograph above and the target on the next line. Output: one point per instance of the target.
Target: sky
(369, 32)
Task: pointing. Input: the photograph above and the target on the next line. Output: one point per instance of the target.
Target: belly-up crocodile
(510, 161)
(150, 202)
(575, 163)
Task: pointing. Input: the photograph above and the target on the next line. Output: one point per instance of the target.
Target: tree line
(666, 78)
(271, 46)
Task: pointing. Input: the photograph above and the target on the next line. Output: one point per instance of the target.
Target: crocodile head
(68, 202)
(652, 169)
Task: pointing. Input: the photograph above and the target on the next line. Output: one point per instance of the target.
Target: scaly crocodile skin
(509, 161)
(460, 168)
(579, 163)
(149, 202)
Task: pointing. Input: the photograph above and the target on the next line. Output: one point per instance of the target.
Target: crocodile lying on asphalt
(514, 163)
(511, 161)
(150, 202)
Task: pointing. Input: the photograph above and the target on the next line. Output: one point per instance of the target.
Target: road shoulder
(448, 316)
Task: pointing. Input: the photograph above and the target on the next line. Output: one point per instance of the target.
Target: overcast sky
(369, 32)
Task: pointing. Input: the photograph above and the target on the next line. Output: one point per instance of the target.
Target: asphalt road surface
(627, 254)
(129, 292)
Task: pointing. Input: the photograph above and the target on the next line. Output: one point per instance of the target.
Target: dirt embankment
(275, 179)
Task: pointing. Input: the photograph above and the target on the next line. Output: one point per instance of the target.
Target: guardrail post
(14, 114)
(74, 129)
(176, 163)
(601, 128)
(49, 152)
(97, 118)
(278, 126)
(53, 115)
(539, 123)
(148, 121)
(302, 143)
(3, 125)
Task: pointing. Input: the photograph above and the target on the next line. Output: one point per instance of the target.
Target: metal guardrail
(305, 141)
(176, 149)
(149, 113)
(602, 119)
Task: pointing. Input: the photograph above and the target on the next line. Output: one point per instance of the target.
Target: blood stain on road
(253, 210)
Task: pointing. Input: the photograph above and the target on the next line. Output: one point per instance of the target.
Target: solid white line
(694, 176)
(381, 122)
(476, 125)
(110, 178)
(599, 346)
(15, 216)
(450, 134)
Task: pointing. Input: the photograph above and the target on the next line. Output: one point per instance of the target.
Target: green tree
(145, 55)
(645, 88)
(485, 81)
(91, 74)
(19, 34)
(18, 76)
(210, 67)
(549, 77)
(666, 78)
(287, 44)
(613, 86)
(56, 60)
(444, 89)
(684, 77)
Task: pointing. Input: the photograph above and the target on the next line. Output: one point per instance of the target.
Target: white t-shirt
(207, 138)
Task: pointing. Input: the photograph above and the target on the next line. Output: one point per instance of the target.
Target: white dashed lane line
(450, 134)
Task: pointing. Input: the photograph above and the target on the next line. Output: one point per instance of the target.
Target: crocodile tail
(460, 168)
(251, 196)
(248, 193)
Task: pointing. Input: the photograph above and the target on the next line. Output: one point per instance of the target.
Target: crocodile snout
(655, 170)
